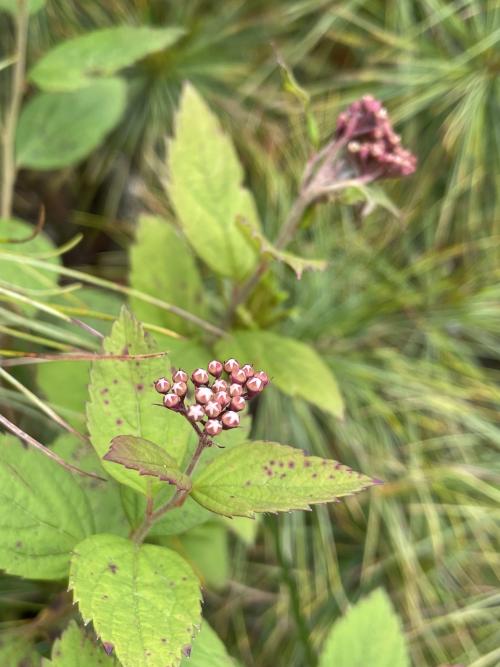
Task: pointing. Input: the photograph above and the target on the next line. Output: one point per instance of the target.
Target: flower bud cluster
(220, 393)
(372, 144)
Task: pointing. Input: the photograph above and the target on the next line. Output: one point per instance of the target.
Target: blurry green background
(407, 314)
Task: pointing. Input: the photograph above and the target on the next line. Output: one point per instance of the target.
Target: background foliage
(406, 315)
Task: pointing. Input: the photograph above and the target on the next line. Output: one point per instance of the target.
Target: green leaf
(369, 634)
(104, 498)
(76, 62)
(293, 366)
(16, 651)
(162, 265)
(208, 651)
(65, 385)
(267, 477)
(43, 513)
(266, 250)
(75, 648)
(144, 600)
(60, 129)
(12, 6)
(122, 400)
(147, 458)
(206, 189)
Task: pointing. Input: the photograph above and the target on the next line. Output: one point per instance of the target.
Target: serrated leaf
(77, 61)
(43, 513)
(163, 266)
(267, 249)
(12, 6)
(60, 129)
(293, 366)
(267, 477)
(206, 189)
(17, 651)
(208, 650)
(369, 634)
(122, 400)
(104, 498)
(144, 600)
(75, 648)
(147, 458)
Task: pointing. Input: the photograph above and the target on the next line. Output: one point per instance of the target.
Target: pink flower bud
(255, 385)
(213, 427)
(219, 385)
(180, 388)
(203, 394)
(212, 409)
(236, 389)
(199, 376)
(238, 403)
(231, 365)
(162, 385)
(222, 398)
(180, 376)
(195, 413)
(238, 377)
(248, 370)
(262, 376)
(230, 419)
(171, 401)
(215, 368)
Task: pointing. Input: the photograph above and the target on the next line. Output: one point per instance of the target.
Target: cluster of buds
(372, 145)
(220, 393)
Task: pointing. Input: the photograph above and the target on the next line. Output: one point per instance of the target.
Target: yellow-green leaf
(75, 648)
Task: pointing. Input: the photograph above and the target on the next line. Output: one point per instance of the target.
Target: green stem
(9, 169)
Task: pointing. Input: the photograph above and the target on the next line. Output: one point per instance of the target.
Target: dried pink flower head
(371, 143)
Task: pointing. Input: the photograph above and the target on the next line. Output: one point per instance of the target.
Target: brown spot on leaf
(291, 464)
(119, 422)
(112, 567)
(307, 464)
(139, 387)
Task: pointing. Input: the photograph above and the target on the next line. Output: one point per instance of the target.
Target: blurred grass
(407, 314)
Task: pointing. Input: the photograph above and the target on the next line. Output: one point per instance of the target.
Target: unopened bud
(195, 413)
(199, 376)
(231, 365)
(203, 394)
(248, 370)
(162, 385)
(180, 388)
(213, 427)
(238, 403)
(215, 368)
(222, 398)
(238, 376)
(236, 389)
(180, 376)
(212, 409)
(219, 385)
(255, 385)
(230, 419)
(263, 377)
(171, 401)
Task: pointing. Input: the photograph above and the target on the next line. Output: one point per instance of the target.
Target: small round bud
(219, 385)
(195, 413)
(180, 388)
(215, 368)
(262, 376)
(203, 394)
(171, 401)
(199, 376)
(238, 377)
(255, 385)
(222, 398)
(212, 409)
(231, 365)
(162, 385)
(235, 389)
(248, 370)
(230, 419)
(180, 376)
(213, 427)
(238, 403)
